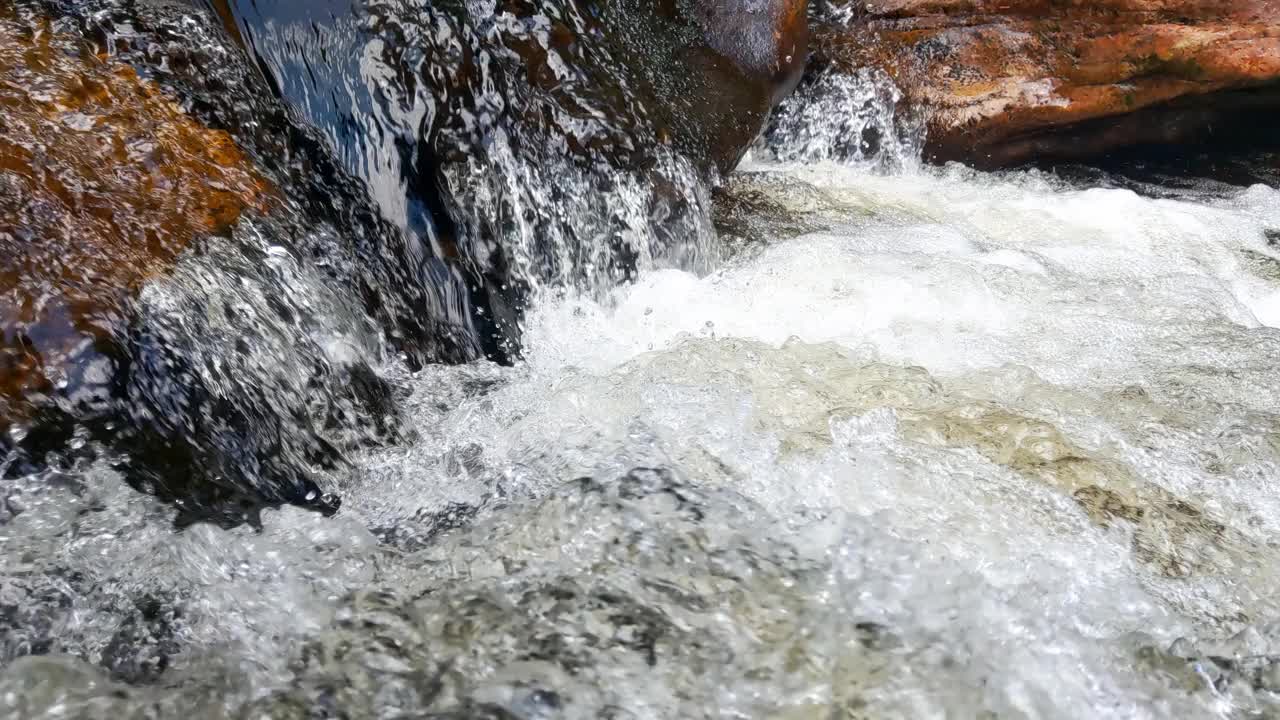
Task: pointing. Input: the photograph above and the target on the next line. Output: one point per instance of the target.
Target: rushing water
(926, 443)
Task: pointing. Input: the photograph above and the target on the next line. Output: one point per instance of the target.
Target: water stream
(923, 443)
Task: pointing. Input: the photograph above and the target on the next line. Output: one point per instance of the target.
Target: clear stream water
(924, 443)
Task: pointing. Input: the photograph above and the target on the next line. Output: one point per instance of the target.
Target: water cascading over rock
(412, 172)
(549, 142)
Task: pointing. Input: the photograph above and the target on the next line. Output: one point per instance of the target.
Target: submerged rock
(640, 596)
(1008, 82)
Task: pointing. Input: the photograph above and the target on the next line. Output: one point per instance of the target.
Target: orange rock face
(103, 182)
(1001, 79)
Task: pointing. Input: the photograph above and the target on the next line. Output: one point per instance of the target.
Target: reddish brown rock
(103, 182)
(1005, 81)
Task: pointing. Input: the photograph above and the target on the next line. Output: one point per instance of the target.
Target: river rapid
(918, 443)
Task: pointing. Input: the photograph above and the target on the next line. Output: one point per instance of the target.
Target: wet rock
(1009, 82)
(716, 66)
(457, 116)
(702, 73)
(1240, 669)
(748, 211)
(162, 301)
(431, 128)
(421, 302)
(105, 182)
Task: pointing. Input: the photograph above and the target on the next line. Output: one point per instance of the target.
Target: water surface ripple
(928, 443)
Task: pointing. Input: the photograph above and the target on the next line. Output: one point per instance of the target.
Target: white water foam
(1045, 420)
(992, 446)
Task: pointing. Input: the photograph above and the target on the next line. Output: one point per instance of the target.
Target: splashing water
(934, 444)
(540, 173)
(983, 444)
(854, 119)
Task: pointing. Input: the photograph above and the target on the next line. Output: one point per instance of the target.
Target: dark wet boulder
(105, 183)
(476, 149)
(716, 67)
(535, 141)
(604, 75)
(418, 298)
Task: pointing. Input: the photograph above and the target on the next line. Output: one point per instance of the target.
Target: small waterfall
(564, 228)
(850, 118)
(528, 161)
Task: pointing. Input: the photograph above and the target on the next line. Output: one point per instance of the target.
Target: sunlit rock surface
(1007, 82)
